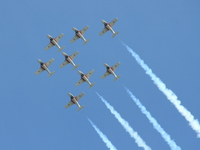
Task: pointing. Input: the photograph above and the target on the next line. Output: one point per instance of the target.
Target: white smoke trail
(171, 96)
(156, 125)
(102, 136)
(126, 125)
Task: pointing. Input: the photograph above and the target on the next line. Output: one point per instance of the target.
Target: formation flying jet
(79, 34)
(44, 66)
(85, 78)
(110, 70)
(74, 100)
(54, 41)
(108, 26)
(69, 59)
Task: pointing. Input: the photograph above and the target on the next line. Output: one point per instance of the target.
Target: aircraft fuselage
(43, 66)
(73, 99)
(84, 77)
(108, 26)
(78, 33)
(110, 70)
(53, 41)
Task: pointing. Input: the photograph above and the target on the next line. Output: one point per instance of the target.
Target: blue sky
(165, 35)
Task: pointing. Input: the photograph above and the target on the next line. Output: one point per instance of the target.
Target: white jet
(54, 41)
(79, 34)
(110, 70)
(74, 100)
(85, 78)
(69, 59)
(108, 26)
(44, 66)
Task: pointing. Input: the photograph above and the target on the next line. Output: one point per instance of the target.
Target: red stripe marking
(78, 35)
(83, 79)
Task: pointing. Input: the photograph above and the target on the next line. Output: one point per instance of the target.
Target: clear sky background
(165, 35)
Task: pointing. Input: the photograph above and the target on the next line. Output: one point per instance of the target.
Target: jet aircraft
(74, 100)
(44, 66)
(110, 70)
(54, 41)
(69, 59)
(108, 26)
(79, 34)
(85, 78)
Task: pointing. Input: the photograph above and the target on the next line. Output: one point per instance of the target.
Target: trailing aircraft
(110, 70)
(69, 59)
(108, 26)
(44, 66)
(85, 78)
(54, 41)
(74, 100)
(79, 34)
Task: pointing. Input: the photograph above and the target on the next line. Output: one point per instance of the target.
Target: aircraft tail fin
(91, 85)
(51, 73)
(115, 34)
(61, 49)
(80, 108)
(75, 66)
(117, 78)
(86, 41)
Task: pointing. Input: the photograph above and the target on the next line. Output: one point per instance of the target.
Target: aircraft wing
(69, 104)
(39, 71)
(80, 96)
(90, 73)
(105, 74)
(49, 62)
(74, 39)
(59, 37)
(103, 31)
(64, 64)
(49, 46)
(84, 29)
(115, 66)
(79, 82)
(74, 55)
(112, 23)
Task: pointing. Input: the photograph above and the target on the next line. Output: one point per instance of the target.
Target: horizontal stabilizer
(76, 66)
(61, 49)
(117, 78)
(115, 34)
(91, 85)
(80, 108)
(86, 41)
(51, 73)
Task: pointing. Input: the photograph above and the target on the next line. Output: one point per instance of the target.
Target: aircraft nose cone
(63, 53)
(75, 29)
(103, 21)
(39, 60)
(80, 72)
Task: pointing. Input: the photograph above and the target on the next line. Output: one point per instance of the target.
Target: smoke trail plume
(152, 120)
(126, 125)
(171, 96)
(102, 136)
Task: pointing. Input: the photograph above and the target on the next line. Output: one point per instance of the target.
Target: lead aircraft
(74, 100)
(44, 66)
(69, 59)
(54, 41)
(79, 34)
(108, 26)
(85, 78)
(110, 70)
